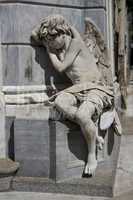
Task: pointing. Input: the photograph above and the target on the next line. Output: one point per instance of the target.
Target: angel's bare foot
(90, 166)
(100, 142)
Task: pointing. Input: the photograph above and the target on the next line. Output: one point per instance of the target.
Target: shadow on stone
(52, 144)
(76, 142)
(111, 140)
(11, 152)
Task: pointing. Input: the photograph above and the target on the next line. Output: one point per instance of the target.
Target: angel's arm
(35, 35)
(69, 58)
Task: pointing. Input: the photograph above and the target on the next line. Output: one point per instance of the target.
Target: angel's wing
(96, 45)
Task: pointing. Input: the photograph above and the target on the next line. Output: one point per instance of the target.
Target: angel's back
(84, 68)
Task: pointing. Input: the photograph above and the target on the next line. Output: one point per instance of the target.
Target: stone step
(100, 185)
(45, 196)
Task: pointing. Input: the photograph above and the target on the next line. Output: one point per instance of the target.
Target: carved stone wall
(24, 64)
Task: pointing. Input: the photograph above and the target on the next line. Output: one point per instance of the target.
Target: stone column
(3, 146)
(122, 51)
(110, 36)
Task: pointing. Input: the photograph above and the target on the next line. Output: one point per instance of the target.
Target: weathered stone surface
(26, 98)
(123, 181)
(26, 65)
(5, 183)
(96, 3)
(33, 13)
(47, 196)
(31, 138)
(17, 29)
(10, 64)
(23, 89)
(69, 145)
(3, 142)
(8, 22)
(20, 66)
(99, 185)
(64, 160)
(34, 111)
(63, 155)
(53, 149)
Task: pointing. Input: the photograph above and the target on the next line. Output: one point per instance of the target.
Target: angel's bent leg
(83, 116)
(66, 103)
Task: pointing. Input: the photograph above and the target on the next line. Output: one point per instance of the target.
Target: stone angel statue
(90, 99)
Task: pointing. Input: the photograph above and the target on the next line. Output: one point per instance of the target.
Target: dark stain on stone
(28, 70)
(6, 71)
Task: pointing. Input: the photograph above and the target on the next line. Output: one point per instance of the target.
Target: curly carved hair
(52, 26)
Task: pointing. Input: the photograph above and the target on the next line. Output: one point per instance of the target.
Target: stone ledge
(5, 183)
(46, 196)
(77, 3)
(81, 4)
(76, 186)
(100, 185)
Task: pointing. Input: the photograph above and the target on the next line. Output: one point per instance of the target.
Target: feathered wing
(96, 45)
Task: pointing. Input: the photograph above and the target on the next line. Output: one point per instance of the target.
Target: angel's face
(56, 41)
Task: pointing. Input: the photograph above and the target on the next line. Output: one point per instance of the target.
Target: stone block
(31, 144)
(56, 149)
(53, 149)
(26, 65)
(5, 183)
(70, 148)
(10, 65)
(17, 29)
(123, 182)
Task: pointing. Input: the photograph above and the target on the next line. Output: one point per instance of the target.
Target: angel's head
(53, 30)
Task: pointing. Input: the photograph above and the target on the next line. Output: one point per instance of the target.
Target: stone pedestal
(49, 149)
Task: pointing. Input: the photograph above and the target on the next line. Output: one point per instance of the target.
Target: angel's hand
(35, 35)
